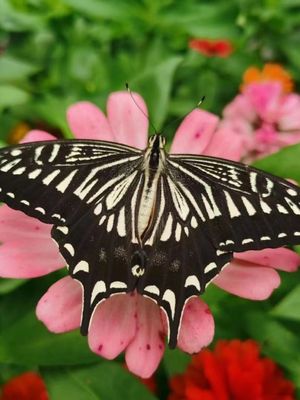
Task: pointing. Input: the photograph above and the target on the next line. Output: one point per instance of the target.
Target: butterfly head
(157, 142)
(155, 153)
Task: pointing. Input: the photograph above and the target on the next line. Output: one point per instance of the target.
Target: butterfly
(161, 224)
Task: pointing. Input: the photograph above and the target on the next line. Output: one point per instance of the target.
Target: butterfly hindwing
(98, 249)
(181, 256)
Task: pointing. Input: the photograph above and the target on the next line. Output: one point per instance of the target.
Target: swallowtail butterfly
(163, 225)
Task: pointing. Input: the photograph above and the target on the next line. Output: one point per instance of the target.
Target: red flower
(150, 383)
(212, 47)
(234, 371)
(28, 386)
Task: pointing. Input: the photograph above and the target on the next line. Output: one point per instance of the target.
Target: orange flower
(18, 133)
(233, 371)
(270, 72)
(212, 47)
(28, 386)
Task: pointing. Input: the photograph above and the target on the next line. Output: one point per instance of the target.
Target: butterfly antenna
(142, 111)
(200, 101)
(181, 118)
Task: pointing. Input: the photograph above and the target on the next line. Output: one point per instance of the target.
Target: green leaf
(99, 8)
(285, 163)
(2, 144)
(53, 110)
(12, 96)
(289, 307)
(16, 21)
(203, 20)
(175, 361)
(278, 342)
(25, 340)
(13, 69)
(290, 3)
(155, 84)
(8, 285)
(109, 380)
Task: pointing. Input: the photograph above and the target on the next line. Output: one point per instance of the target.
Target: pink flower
(130, 322)
(266, 114)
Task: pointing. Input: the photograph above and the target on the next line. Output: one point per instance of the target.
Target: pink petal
(226, 143)
(60, 307)
(240, 107)
(146, 350)
(113, 325)
(128, 123)
(194, 133)
(265, 97)
(281, 258)
(287, 139)
(36, 135)
(87, 121)
(254, 283)
(26, 249)
(197, 326)
(289, 113)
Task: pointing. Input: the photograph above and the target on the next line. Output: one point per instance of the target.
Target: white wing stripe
(167, 232)
(192, 200)
(63, 185)
(48, 179)
(160, 213)
(179, 201)
(233, 210)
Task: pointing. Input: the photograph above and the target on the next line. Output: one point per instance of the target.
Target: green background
(56, 52)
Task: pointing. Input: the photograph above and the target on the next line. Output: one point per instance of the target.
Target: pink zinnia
(131, 322)
(266, 114)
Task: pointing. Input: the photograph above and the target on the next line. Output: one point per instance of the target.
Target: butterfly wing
(206, 209)
(243, 208)
(82, 188)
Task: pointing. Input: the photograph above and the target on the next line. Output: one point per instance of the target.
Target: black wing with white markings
(243, 208)
(97, 195)
(181, 256)
(82, 188)
(206, 209)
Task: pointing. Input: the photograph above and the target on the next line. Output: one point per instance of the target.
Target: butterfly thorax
(154, 160)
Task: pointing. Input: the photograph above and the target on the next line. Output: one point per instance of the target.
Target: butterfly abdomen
(147, 201)
(153, 166)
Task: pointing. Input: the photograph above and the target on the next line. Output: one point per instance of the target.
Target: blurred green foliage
(56, 52)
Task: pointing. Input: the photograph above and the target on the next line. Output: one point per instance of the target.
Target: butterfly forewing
(49, 180)
(243, 208)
